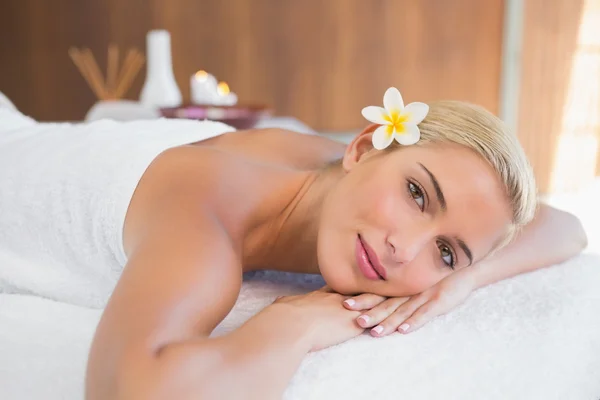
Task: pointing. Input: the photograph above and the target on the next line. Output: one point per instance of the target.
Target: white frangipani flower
(397, 122)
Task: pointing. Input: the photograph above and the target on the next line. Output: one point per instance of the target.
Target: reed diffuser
(117, 83)
(111, 90)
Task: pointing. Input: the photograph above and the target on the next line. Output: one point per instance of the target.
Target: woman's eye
(417, 194)
(447, 255)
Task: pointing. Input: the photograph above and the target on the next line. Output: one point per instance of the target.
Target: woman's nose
(404, 249)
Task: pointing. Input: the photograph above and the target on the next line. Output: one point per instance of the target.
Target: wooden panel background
(319, 61)
(559, 106)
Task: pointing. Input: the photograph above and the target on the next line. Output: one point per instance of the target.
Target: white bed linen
(536, 336)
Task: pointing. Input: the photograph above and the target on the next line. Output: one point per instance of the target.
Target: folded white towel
(532, 337)
(64, 192)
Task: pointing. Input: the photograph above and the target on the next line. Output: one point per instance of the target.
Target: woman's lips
(364, 264)
(379, 268)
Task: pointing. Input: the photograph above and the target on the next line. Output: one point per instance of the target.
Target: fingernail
(403, 327)
(365, 319)
(378, 329)
(350, 302)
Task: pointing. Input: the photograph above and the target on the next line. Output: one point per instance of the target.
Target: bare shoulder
(201, 179)
(214, 173)
(184, 269)
(184, 234)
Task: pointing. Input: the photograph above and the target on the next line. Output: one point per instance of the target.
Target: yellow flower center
(396, 121)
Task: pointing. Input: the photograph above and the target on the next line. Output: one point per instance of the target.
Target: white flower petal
(381, 138)
(392, 100)
(375, 115)
(410, 134)
(416, 112)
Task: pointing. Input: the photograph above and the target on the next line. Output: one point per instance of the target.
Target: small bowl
(121, 110)
(239, 116)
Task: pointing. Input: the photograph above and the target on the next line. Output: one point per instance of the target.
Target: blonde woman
(420, 209)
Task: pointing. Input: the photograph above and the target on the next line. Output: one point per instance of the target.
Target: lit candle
(223, 89)
(225, 96)
(203, 88)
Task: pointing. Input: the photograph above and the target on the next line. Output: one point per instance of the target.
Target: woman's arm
(552, 237)
(153, 339)
(181, 280)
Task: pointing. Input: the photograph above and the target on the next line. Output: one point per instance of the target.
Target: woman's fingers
(420, 317)
(398, 319)
(380, 312)
(364, 301)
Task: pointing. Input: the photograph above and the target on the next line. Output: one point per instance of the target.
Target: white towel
(6, 103)
(532, 337)
(64, 192)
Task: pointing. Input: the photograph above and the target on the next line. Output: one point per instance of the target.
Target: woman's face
(416, 215)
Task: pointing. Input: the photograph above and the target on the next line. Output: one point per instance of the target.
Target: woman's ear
(359, 147)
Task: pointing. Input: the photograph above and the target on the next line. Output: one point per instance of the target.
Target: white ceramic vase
(160, 88)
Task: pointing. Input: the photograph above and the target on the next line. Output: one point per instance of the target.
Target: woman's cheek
(420, 278)
(390, 207)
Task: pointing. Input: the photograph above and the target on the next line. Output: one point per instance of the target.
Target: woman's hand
(406, 314)
(330, 323)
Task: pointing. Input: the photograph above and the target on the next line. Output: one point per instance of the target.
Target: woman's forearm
(256, 361)
(552, 237)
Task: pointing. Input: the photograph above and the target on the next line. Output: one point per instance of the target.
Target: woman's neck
(294, 232)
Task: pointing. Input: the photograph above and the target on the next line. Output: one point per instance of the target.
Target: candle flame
(201, 75)
(223, 89)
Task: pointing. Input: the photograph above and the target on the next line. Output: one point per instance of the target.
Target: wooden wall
(559, 105)
(320, 61)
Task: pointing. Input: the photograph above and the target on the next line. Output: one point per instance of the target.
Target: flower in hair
(397, 122)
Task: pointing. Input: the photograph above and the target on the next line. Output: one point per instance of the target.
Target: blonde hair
(476, 128)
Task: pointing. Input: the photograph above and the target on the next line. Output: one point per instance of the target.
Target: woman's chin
(340, 280)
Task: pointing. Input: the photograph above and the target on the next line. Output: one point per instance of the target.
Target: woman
(409, 230)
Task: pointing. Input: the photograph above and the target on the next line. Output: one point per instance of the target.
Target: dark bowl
(239, 116)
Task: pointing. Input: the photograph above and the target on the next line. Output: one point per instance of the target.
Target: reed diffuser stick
(111, 70)
(96, 73)
(77, 58)
(131, 70)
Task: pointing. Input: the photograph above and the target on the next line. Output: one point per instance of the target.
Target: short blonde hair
(476, 128)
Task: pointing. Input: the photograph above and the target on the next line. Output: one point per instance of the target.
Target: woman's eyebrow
(438, 190)
(466, 249)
